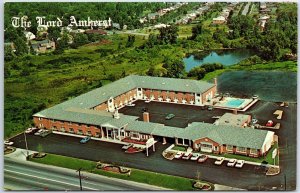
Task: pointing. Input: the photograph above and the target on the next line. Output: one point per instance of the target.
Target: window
(89, 132)
(198, 95)
(62, 129)
(40, 118)
(176, 92)
(79, 131)
(97, 134)
(71, 130)
(206, 145)
(110, 100)
(241, 149)
(229, 147)
(139, 89)
(253, 151)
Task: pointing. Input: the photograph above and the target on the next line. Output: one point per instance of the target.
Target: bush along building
(96, 114)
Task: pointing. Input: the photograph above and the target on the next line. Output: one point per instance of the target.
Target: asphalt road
(32, 176)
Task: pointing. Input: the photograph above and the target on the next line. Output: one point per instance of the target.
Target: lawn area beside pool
(142, 176)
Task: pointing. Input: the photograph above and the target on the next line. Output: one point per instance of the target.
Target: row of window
(241, 149)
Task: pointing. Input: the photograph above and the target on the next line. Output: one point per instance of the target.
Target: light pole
(79, 175)
(26, 144)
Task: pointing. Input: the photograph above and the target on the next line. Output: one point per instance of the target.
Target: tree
(21, 46)
(40, 149)
(79, 40)
(62, 44)
(175, 68)
(130, 41)
(54, 33)
(8, 53)
(197, 72)
(196, 30)
(168, 35)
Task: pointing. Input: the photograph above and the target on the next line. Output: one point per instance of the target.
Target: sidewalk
(20, 154)
(219, 187)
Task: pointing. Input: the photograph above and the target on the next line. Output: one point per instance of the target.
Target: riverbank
(286, 66)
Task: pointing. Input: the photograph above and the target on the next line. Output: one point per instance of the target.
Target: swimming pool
(234, 103)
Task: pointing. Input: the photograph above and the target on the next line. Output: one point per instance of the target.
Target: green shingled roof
(229, 135)
(102, 94)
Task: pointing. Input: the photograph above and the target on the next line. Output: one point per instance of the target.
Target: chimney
(215, 81)
(235, 111)
(146, 117)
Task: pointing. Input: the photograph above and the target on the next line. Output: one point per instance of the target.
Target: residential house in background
(29, 35)
(43, 46)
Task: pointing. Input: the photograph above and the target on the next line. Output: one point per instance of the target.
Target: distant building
(29, 35)
(238, 120)
(158, 26)
(116, 25)
(219, 20)
(43, 46)
(153, 16)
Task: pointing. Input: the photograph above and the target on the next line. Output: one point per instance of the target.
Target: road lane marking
(64, 177)
(47, 179)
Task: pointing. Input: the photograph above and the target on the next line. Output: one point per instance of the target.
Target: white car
(30, 130)
(39, 132)
(125, 147)
(147, 101)
(239, 163)
(231, 163)
(195, 156)
(8, 142)
(130, 105)
(219, 160)
(178, 155)
(186, 156)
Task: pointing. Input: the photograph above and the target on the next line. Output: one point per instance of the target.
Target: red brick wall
(207, 140)
(172, 95)
(49, 124)
(213, 89)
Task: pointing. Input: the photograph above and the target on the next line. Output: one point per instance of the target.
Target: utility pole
(284, 182)
(79, 175)
(26, 144)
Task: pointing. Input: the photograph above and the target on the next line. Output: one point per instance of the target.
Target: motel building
(96, 114)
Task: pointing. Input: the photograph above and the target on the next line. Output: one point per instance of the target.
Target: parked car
(219, 160)
(239, 163)
(45, 133)
(186, 156)
(269, 123)
(170, 116)
(178, 155)
(231, 163)
(147, 101)
(39, 132)
(125, 147)
(255, 97)
(254, 121)
(130, 105)
(85, 140)
(30, 130)
(202, 158)
(210, 108)
(6, 142)
(195, 156)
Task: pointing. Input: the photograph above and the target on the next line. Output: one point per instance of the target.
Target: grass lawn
(179, 148)
(152, 178)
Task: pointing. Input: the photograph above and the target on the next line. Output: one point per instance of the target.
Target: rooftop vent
(104, 93)
(186, 85)
(81, 103)
(163, 83)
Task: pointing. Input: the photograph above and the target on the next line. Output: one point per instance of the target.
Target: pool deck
(241, 110)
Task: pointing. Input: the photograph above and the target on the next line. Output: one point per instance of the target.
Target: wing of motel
(95, 114)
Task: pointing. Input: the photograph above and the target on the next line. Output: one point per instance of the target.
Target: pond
(272, 86)
(225, 57)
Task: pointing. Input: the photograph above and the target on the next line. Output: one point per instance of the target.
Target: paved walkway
(219, 187)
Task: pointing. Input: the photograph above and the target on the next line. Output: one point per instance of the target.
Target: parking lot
(112, 153)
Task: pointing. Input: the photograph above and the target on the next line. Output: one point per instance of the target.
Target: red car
(202, 158)
(269, 123)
